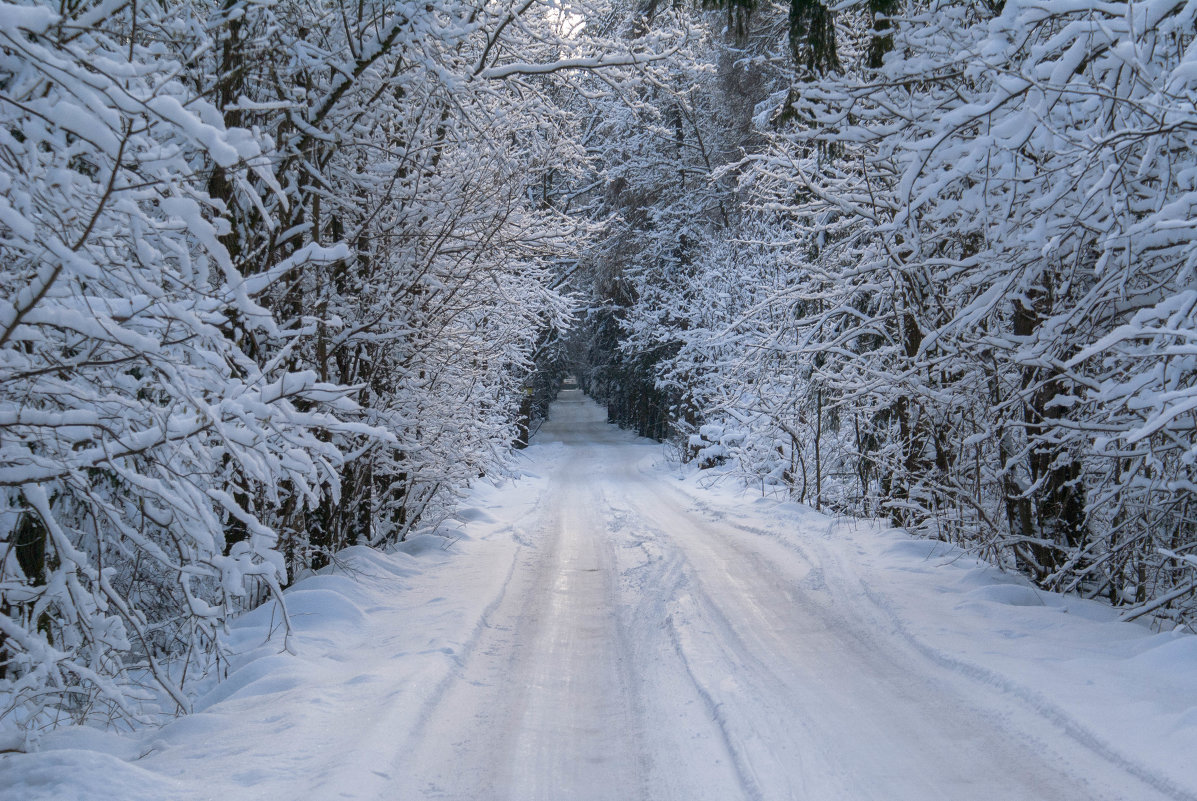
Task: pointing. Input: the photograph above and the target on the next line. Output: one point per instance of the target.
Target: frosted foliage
(424, 149)
(962, 290)
(125, 398)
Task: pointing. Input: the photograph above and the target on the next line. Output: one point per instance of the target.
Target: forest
(280, 277)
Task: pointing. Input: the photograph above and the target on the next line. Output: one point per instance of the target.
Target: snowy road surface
(605, 631)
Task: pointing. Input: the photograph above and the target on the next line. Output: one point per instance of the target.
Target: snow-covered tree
(983, 216)
(126, 398)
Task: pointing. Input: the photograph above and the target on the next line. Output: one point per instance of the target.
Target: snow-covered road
(608, 632)
(647, 650)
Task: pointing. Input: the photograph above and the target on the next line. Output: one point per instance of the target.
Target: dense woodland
(281, 277)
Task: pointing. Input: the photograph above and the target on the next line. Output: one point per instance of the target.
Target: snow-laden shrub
(131, 412)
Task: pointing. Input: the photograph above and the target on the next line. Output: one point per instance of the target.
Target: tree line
(927, 261)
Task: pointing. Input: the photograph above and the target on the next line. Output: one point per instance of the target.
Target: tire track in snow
(854, 649)
(548, 708)
(729, 674)
(465, 652)
(670, 579)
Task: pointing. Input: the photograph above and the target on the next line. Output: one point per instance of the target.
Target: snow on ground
(604, 630)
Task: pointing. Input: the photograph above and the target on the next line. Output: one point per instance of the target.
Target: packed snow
(610, 626)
